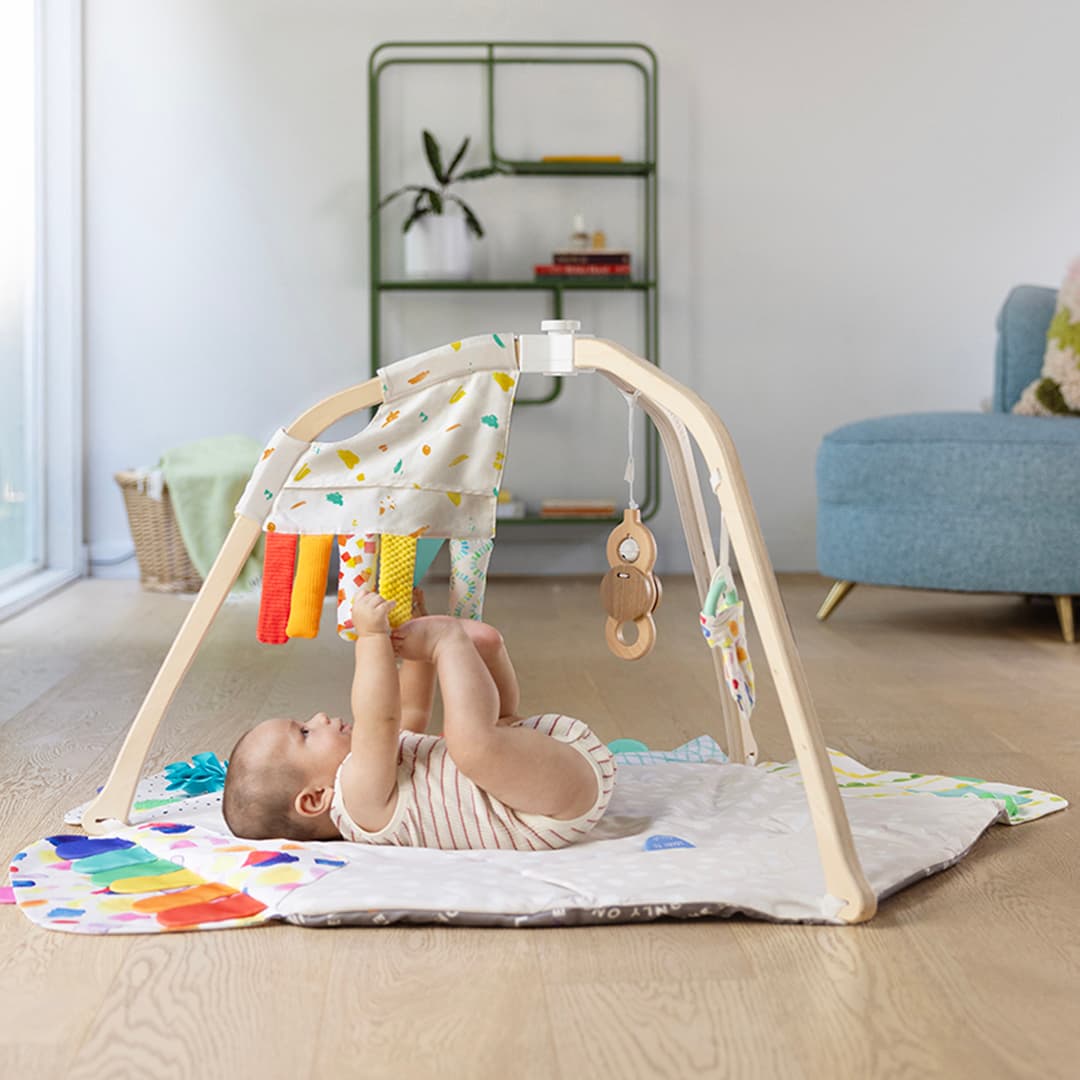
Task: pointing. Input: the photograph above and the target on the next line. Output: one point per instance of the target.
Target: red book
(591, 257)
(599, 270)
(577, 508)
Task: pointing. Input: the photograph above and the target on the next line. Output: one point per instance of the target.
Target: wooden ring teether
(630, 592)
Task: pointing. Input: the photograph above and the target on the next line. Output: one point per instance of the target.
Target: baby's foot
(419, 638)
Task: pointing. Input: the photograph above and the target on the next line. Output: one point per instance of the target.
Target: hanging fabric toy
(397, 565)
(723, 623)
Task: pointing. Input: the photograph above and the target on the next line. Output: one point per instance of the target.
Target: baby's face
(315, 748)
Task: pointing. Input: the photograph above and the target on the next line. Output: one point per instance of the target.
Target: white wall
(848, 190)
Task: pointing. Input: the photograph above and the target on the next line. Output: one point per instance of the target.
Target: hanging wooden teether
(630, 592)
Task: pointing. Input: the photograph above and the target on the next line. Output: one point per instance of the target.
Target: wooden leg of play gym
(844, 878)
(740, 743)
(837, 593)
(115, 799)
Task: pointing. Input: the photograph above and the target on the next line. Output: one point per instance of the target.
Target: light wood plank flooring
(973, 972)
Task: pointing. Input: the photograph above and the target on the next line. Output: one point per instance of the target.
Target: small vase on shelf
(439, 246)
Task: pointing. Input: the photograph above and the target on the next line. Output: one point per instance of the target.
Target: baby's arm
(417, 681)
(369, 777)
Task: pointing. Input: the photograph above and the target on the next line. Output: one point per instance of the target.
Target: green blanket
(205, 481)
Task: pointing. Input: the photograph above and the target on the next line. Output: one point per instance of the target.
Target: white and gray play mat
(687, 835)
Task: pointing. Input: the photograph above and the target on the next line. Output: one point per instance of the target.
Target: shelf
(558, 295)
(536, 519)
(578, 168)
(481, 286)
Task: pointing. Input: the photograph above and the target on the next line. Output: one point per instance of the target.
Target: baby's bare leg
(492, 649)
(529, 772)
(488, 643)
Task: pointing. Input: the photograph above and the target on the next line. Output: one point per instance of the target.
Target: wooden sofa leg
(837, 593)
(1064, 607)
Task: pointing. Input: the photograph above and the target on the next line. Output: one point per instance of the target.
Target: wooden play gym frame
(678, 413)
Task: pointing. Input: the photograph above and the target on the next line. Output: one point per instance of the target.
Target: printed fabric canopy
(430, 462)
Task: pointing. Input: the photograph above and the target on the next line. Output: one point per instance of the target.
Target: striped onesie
(439, 807)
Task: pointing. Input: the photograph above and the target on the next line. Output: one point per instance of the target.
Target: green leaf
(436, 202)
(418, 211)
(477, 174)
(457, 159)
(470, 217)
(414, 217)
(434, 156)
(400, 191)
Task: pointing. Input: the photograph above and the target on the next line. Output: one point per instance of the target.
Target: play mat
(687, 834)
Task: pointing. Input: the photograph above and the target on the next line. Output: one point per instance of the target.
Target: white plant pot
(439, 246)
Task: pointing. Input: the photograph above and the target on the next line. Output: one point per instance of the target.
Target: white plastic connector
(552, 352)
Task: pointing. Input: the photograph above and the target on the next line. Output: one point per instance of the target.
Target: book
(607, 159)
(570, 270)
(591, 257)
(577, 508)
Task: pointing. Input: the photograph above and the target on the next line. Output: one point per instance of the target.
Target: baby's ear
(314, 801)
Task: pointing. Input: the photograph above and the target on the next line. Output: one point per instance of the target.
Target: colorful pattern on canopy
(430, 462)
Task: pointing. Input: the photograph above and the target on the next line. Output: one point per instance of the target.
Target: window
(41, 543)
(20, 490)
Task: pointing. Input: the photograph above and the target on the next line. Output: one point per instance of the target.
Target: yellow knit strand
(397, 565)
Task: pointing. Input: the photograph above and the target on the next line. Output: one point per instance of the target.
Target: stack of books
(574, 264)
(577, 508)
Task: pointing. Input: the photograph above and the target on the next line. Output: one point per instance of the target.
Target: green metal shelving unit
(491, 55)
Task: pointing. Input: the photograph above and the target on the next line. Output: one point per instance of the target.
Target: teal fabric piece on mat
(205, 481)
(696, 752)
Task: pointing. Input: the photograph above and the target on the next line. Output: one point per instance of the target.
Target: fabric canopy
(430, 462)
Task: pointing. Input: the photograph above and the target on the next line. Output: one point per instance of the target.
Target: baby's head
(280, 779)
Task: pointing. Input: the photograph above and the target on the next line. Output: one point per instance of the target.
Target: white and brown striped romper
(439, 807)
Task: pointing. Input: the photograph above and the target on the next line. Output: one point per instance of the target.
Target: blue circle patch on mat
(659, 842)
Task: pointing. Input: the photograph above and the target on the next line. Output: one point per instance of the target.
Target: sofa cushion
(956, 459)
(979, 501)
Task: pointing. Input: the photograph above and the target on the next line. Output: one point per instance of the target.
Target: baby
(492, 780)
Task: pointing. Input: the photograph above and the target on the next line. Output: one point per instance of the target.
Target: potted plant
(437, 230)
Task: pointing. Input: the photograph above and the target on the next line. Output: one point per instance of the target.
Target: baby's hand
(371, 613)
(419, 604)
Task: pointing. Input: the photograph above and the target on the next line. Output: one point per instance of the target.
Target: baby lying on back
(494, 779)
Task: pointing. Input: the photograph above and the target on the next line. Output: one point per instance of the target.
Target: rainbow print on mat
(159, 876)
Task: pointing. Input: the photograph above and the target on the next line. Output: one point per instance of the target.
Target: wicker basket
(164, 565)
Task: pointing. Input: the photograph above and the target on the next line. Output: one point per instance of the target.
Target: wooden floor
(973, 972)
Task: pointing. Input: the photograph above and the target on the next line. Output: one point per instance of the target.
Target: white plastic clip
(551, 352)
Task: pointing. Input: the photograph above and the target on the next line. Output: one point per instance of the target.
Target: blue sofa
(976, 502)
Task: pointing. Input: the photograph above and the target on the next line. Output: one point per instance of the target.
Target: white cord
(628, 476)
(725, 543)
